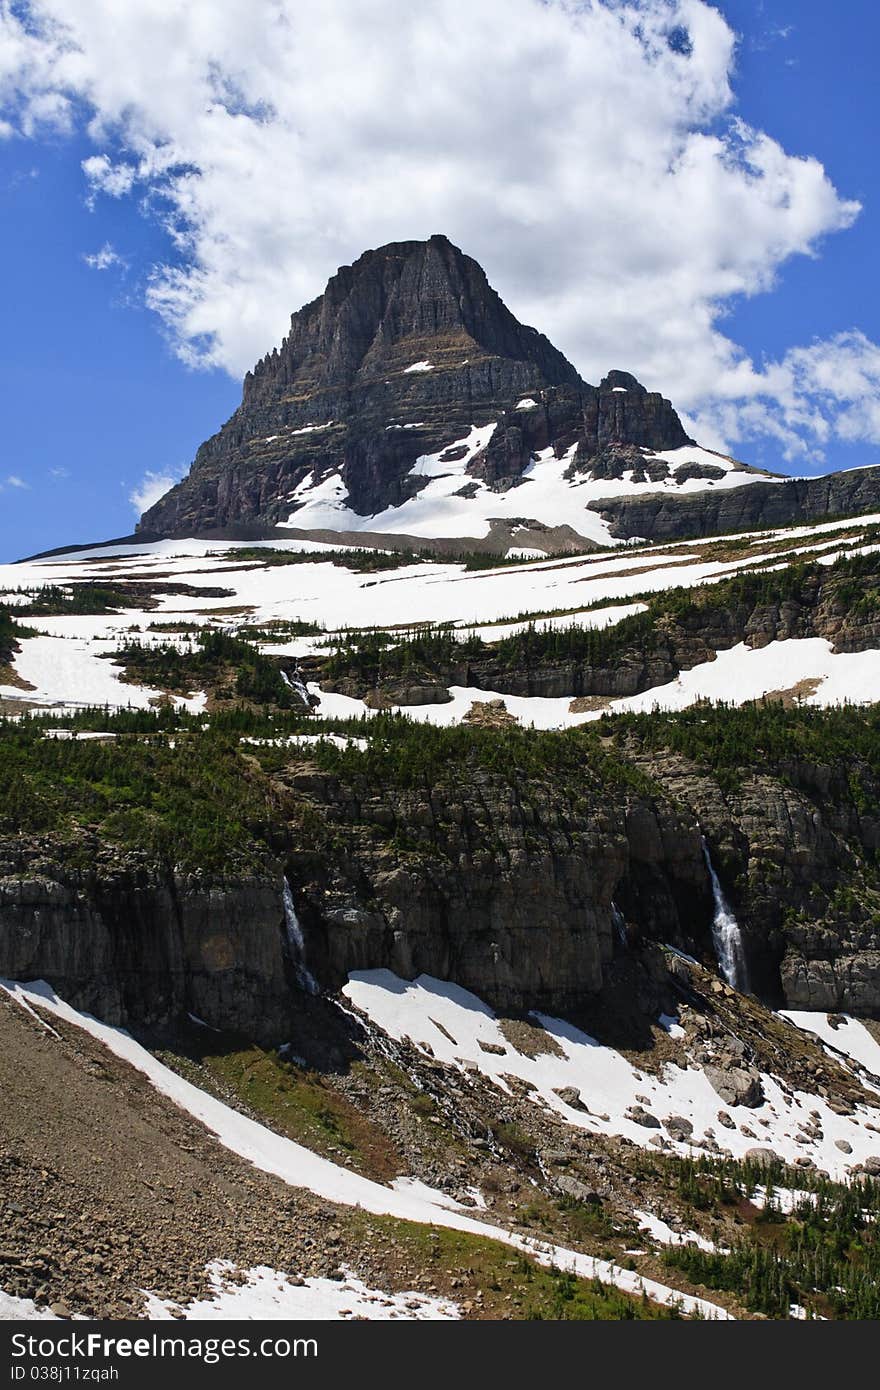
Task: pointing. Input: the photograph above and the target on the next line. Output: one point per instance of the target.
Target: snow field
(545, 494)
(609, 1085)
(66, 667)
(69, 673)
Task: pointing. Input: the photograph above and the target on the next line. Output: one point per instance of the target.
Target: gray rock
(579, 1191)
(640, 1116)
(677, 1127)
(343, 366)
(761, 1156)
(570, 1095)
(735, 1086)
(761, 505)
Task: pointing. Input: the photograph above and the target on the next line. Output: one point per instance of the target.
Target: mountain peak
(408, 355)
(392, 305)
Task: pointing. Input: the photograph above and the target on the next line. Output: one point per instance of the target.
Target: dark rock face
(795, 852)
(509, 890)
(758, 506)
(135, 946)
(506, 890)
(510, 886)
(349, 392)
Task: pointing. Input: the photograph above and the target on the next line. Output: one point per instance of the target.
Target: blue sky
(755, 308)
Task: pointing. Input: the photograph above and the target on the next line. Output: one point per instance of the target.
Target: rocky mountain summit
(406, 353)
(408, 400)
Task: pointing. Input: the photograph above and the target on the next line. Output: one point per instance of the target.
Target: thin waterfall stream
(296, 945)
(726, 935)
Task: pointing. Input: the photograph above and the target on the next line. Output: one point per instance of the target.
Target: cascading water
(726, 935)
(297, 684)
(619, 925)
(296, 945)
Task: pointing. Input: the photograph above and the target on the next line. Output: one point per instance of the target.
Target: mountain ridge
(406, 353)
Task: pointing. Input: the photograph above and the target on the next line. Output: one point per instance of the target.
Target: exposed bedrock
(755, 506)
(797, 854)
(136, 945)
(506, 890)
(509, 890)
(519, 889)
(403, 353)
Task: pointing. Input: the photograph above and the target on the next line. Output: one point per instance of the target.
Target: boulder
(735, 1085)
(677, 1127)
(640, 1116)
(570, 1095)
(764, 1158)
(578, 1191)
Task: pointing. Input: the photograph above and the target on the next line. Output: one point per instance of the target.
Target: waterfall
(298, 685)
(619, 925)
(726, 935)
(296, 945)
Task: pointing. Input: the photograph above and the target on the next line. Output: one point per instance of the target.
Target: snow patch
(849, 1037)
(664, 1234)
(265, 1294)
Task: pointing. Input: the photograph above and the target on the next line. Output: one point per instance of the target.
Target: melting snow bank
(264, 1294)
(69, 672)
(748, 673)
(298, 1166)
(664, 1234)
(455, 1027)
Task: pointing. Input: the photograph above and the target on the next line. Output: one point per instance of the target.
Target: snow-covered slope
(455, 1027)
(453, 503)
(69, 663)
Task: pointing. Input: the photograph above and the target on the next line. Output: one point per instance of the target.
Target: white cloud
(105, 258)
(829, 390)
(13, 480)
(151, 487)
(586, 153)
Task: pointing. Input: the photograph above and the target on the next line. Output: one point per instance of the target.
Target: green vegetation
(362, 561)
(729, 739)
(293, 1101)
(511, 1285)
(231, 668)
(278, 630)
(194, 801)
(401, 752)
(823, 1255)
(186, 789)
(53, 600)
(379, 655)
